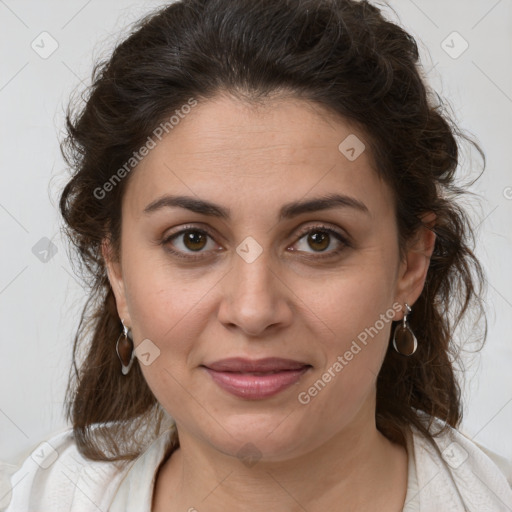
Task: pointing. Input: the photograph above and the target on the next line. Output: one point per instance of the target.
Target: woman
(264, 198)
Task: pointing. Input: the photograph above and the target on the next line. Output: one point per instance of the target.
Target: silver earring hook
(127, 331)
(406, 314)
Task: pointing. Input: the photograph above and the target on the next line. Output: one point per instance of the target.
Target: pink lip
(268, 364)
(256, 380)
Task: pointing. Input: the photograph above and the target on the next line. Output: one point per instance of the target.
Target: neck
(357, 469)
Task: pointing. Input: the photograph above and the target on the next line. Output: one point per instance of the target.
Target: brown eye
(189, 241)
(194, 240)
(319, 240)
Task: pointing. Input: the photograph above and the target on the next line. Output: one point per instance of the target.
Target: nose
(255, 297)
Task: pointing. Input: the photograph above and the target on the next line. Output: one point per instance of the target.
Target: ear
(414, 267)
(115, 277)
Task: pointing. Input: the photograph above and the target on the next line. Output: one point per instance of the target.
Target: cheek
(355, 300)
(357, 311)
(161, 299)
(171, 308)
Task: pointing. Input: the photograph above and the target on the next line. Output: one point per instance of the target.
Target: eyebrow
(287, 211)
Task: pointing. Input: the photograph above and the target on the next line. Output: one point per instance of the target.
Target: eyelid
(193, 227)
(330, 228)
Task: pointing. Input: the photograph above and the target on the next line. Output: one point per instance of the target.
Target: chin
(259, 437)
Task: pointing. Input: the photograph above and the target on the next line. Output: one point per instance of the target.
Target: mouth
(267, 365)
(256, 379)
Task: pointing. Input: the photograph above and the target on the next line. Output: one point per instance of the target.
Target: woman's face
(264, 280)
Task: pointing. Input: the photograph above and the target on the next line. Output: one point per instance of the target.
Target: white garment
(459, 477)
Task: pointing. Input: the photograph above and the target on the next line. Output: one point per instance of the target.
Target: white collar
(135, 491)
(453, 476)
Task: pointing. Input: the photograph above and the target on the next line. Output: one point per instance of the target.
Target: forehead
(251, 155)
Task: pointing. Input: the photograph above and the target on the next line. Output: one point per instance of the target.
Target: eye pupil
(195, 238)
(319, 237)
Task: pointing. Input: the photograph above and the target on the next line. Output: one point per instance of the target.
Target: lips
(256, 379)
(267, 365)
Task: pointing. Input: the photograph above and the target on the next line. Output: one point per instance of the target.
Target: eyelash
(310, 229)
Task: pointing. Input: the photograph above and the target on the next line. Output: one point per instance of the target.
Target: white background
(40, 303)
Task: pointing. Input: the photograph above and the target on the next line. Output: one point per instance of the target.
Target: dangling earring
(124, 349)
(404, 341)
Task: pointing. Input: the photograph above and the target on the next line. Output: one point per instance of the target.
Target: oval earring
(124, 349)
(404, 340)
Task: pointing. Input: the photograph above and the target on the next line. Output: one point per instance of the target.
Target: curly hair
(343, 55)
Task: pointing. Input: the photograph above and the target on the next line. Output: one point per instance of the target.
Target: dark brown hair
(342, 55)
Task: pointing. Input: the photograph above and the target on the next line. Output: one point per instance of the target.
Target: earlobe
(416, 263)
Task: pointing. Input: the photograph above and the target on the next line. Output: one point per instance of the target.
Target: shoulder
(458, 448)
(55, 476)
(454, 467)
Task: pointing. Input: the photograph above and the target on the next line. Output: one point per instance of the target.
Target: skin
(288, 302)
